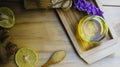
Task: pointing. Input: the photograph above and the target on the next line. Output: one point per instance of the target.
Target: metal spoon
(57, 57)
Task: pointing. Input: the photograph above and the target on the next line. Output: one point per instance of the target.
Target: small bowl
(92, 28)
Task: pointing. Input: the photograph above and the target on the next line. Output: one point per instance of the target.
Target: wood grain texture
(110, 2)
(38, 29)
(70, 19)
(23, 36)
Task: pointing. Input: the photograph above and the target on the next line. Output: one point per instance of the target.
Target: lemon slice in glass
(26, 57)
(7, 17)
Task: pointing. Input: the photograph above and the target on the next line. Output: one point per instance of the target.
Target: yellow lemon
(26, 57)
(7, 17)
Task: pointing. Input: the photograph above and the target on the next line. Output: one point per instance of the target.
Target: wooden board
(28, 20)
(70, 20)
(40, 30)
(109, 3)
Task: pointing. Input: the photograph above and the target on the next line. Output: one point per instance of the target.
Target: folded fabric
(35, 4)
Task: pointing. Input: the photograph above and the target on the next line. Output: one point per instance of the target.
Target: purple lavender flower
(89, 7)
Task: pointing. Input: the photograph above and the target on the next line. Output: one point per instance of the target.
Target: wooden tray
(70, 20)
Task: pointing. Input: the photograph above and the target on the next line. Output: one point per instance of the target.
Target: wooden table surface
(43, 31)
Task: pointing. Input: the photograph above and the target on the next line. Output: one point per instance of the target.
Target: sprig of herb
(89, 7)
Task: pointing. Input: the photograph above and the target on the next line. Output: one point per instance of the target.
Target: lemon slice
(7, 17)
(26, 57)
